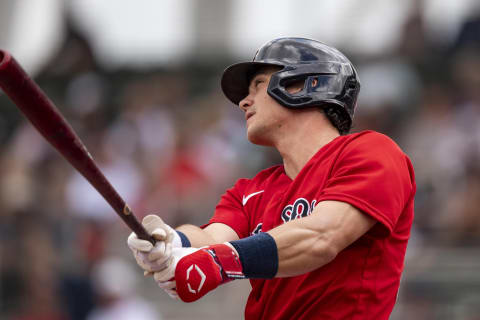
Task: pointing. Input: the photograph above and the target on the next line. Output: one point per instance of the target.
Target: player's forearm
(214, 233)
(301, 249)
(309, 243)
(197, 236)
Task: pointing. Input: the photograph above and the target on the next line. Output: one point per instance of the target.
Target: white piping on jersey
(245, 199)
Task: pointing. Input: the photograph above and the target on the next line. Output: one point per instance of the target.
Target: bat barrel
(45, 117)
(3, 56)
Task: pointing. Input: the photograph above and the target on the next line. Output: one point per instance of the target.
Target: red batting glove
(198, 273)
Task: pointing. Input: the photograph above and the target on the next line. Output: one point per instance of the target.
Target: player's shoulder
(373, 150)
(370, 136)
(373, 141)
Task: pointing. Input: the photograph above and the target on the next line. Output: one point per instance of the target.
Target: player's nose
(246, 103)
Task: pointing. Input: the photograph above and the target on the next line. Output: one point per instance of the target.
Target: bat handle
(142, 234)
(131, 220)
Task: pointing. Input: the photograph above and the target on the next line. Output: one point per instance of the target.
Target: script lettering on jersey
(257, 229)
(299, 209)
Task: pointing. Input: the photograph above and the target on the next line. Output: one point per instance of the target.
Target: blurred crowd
(171, 144)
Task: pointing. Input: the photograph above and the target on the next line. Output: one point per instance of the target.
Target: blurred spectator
(469, 35)
(37, 262)
(114, 283)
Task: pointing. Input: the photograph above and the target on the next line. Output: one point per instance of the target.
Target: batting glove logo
(200, 274)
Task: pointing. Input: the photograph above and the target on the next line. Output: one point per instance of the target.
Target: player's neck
(300, 145)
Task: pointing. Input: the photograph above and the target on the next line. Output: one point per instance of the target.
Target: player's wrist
(180, 239)
(258, 255)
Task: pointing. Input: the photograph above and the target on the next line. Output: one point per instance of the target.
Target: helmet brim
(236, 78)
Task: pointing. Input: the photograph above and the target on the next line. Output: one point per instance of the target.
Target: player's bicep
(221, 232)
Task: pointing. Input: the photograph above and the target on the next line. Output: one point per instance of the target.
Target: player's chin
(258, 138)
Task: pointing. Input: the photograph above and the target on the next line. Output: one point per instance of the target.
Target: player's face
(265, 117)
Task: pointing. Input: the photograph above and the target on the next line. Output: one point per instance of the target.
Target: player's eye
(257, 82)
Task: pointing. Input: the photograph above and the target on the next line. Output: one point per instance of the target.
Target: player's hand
(150, 257)
(192, 273)
(166, 277)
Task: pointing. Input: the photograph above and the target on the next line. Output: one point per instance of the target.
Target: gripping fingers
(166, 274)
(136, 244)
(156, 227)
(167, 285)
(173, 294)
(142, 261)
(160, 234)
(147, 264)
(161, 252)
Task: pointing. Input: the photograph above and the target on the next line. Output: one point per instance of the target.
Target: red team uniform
(367, 170)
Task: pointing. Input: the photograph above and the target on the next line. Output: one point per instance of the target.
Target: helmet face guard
(329, 77)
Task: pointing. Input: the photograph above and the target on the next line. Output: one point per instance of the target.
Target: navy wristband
(258, 255)
(185, 242)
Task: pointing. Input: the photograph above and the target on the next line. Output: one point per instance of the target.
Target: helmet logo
(202, 278)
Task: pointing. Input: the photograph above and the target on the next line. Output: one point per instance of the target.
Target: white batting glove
(165, 278)
(152, 258)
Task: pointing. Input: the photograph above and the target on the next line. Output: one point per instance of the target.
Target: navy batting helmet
(330, 78)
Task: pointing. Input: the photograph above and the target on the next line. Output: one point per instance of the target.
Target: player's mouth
(248, 115)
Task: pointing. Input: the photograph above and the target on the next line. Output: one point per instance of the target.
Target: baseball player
(322, 236)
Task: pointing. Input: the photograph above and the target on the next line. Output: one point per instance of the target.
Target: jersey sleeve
(230, 211)
(376, 177)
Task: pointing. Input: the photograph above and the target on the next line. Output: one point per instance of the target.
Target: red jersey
(367, 170)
